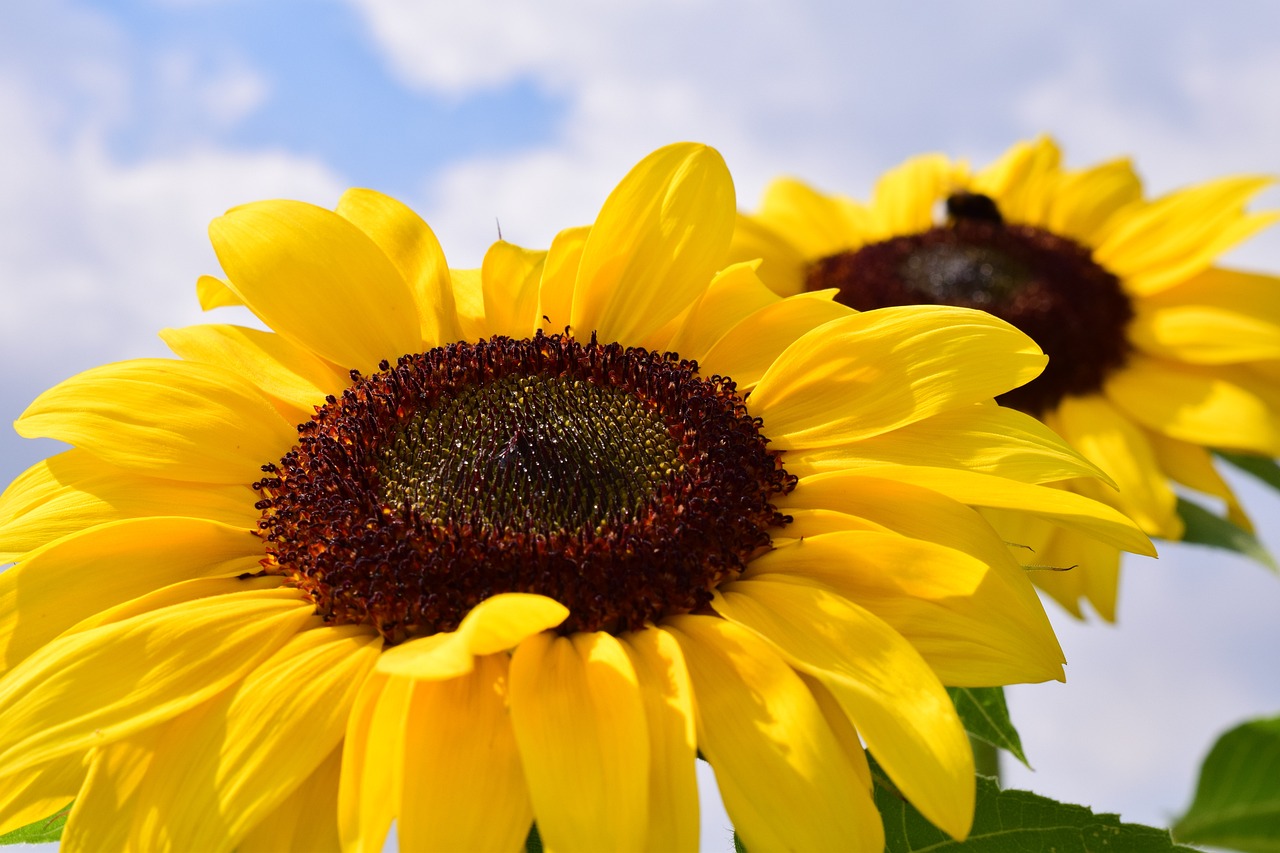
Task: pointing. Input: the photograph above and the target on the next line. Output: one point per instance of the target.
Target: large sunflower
(1156, 355)
(503, 573)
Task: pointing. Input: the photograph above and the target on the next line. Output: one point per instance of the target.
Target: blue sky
(128, 125)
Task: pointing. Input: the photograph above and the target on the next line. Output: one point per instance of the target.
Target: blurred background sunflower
(130, 125)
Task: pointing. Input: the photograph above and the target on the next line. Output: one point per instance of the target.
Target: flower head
(1156, 355)
(469, 550)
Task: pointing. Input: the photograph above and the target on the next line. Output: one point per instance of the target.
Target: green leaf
(1262, 467)
(1205, 528)
(986, 717)
(1020, 822)
(1237, 802)
(42, 831)
(533, 842)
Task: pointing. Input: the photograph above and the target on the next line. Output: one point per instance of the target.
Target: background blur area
(126, 126)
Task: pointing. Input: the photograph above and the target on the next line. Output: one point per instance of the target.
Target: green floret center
(531, 452)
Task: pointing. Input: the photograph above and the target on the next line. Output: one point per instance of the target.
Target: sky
(126, 126)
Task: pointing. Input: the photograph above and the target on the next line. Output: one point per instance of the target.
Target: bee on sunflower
(469, 550)
(1158, 356)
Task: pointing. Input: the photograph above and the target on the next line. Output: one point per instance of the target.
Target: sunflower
(1156, 355)
(472, 550)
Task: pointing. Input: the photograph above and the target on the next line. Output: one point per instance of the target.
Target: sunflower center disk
(616, 481)
(1047, 285)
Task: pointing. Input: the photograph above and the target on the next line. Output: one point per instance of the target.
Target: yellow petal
(746, 352)
(412, 246)
(971, 621)
(463, 786)
(841, 727)
(58, 585)
(468, 294)
(661, 235)
(165, 418)
(896, 702)
(1179, 235)
(873, 372)
(980, 437)
(221, 769)
(559, 275)
(510, 276)
(496, 624)
(1092, 573)
(37, 794)
(1084, 201)
(1192, 466)
(372, 763)
(212, 292)
(579, 721)
(734, 293)
(1218, 317)
(668, 701)
(182, 592)
(785, 781)
(782, 265)
(295, 379)
(94, 687)
(1022, 179)
(320, 281)
(74, 491)
(1118, 445)
(306, 821)
(115, 772)
(904, 197)
(817, 224)
(1061, 507)
(1195, 404)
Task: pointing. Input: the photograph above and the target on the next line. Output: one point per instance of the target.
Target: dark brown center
(617, 481)
(1047, 285)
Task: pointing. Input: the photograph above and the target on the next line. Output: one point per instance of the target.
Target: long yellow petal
(73, 491)
(498, 623)
(1195, 404)
(1022, 179)
(782, 264)
(896, 702)
(579, 721)
(734, 293)
(980, 437)
(510, 277)
(463, 785)
(1218, 317)
(661, 235)
(165, 418)
(785, 781)
(1083, 202)
(1118, 445)
(746, 352)
(1174, 237)
(869, 373)
(973, 626)
(97, 686)
(319, 280)
(412, 246)
(668, 701)
(818, 224)
(290, 375)
(1057, 505)
(468, 294)
(37, 794)
(306, 821)
(175, 594)
(116, 770)
(559, 275)
(1192, 466)
(1094, 576)
(58, 585)
(904, 197)
(373, 763)
(220, 770)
